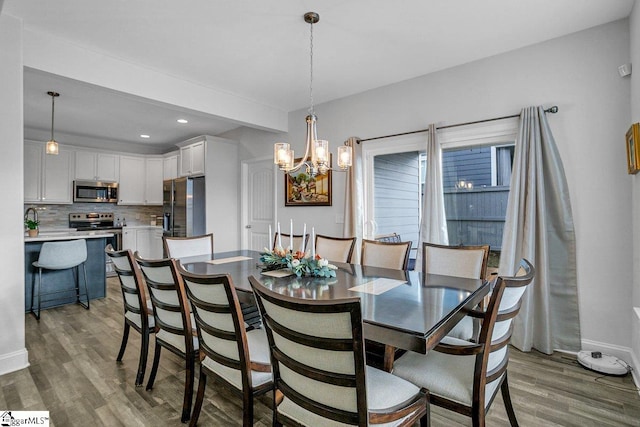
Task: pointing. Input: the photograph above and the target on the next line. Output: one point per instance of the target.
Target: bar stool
(61, 256)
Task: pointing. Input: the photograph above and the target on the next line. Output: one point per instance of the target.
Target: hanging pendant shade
(52, 145)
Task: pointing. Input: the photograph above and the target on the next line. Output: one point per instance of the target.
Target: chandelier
(316, 157)
(52, 145)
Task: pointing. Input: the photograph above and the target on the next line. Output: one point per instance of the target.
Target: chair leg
(125, 338)
(86, 291)
(33, 288)
(425, 421)
(202, 384)
(506, 397)
(188, 387)
(247, 408)
(142, 363)
(154, 368)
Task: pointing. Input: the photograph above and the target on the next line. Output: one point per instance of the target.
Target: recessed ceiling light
(183, 121)
(144, 136)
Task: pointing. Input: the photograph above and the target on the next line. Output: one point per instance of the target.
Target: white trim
(15, 361)
(370, 149)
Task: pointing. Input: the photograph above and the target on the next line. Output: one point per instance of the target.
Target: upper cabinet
(132, 181)
(95, 166)
(48, 178)
(140, 180)
(192, 157)
(170, 165)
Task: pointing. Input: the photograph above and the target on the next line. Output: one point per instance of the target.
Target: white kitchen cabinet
(147, 241)
(95, 166)
(153, 181)
(192, 159)
(170, 166)
(132, 181)
(48, 178)
(32, 172)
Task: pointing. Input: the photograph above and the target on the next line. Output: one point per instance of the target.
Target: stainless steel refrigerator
(184, 207)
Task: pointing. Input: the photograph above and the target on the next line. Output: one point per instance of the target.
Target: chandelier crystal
(316, 157)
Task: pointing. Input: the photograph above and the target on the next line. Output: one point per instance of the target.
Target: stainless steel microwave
(95, 191)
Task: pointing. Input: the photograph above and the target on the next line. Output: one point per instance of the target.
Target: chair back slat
(168, 298)
(495, 335)
(286, 240)
(385, 255)
(459, 261)
(316, 353)
(183, 247)
(219, 319)
(131, 284)
(336, 249)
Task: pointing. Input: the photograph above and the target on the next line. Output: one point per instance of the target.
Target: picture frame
(302, 190)
(633, 148)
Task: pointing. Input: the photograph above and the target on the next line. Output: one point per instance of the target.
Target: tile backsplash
(57, 216)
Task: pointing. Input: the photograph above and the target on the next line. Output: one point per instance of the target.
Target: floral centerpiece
(300, 263)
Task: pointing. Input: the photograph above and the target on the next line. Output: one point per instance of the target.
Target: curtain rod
(553, 110)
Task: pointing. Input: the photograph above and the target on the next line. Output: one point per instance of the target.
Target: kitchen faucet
(35, 213)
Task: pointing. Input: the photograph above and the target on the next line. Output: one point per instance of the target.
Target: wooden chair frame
(484, 347)
(187, 331)
(166, 242)
(414, 409)
(366, 243)
(338, 240)
(141, 296)
(244, 365)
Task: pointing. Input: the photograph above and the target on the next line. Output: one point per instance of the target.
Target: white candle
(304, 233)
(270, 238)
(279, 236)
(313, 242)
(291, 236)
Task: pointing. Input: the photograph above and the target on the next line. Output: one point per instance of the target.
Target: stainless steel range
(83, 221)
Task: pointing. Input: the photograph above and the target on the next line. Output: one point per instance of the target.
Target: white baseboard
(623, 353)
(15, 361)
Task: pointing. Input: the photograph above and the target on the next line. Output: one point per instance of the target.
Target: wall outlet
(339, 218)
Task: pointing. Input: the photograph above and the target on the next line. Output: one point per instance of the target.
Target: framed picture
(633, 148)
(300, 189)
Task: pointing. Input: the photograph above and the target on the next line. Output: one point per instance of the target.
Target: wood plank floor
(74, 375)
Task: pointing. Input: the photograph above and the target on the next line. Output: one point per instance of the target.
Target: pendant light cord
(53, 106)
(311, 111)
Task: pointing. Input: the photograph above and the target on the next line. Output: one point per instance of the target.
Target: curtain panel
(539, 227)
(433, 224)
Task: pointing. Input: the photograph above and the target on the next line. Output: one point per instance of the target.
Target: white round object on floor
(605, 364)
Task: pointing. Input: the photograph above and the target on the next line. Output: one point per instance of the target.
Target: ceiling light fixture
(52, 145)
(183, 121)
(317, 149)
(144, 136)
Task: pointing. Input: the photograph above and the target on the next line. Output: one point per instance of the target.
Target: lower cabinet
(147, 241)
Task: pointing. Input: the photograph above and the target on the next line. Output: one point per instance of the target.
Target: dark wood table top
(414, 315)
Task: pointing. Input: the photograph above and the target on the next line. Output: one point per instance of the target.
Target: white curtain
(354, 198)
(539, 227)
(433, 225)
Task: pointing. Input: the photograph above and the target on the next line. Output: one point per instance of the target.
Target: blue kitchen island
(54, 280)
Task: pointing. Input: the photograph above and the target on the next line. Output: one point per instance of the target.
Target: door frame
(244, 199)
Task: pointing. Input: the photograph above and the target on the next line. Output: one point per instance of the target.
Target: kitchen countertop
(67, 234)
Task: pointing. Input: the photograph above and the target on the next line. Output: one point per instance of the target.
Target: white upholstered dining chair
(320, 376)
(465, 377)
(392, 255)
(336, 249)
(182, 247)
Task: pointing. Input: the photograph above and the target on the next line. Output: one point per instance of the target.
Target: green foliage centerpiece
(298, 262)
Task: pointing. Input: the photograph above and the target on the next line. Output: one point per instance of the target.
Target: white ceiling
(258, 51)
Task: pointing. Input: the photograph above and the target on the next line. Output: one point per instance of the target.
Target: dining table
(401, 309)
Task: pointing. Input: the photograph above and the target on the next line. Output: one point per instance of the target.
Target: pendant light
(52, 145)
(316, 156)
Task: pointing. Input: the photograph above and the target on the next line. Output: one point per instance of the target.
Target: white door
(258, 207)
